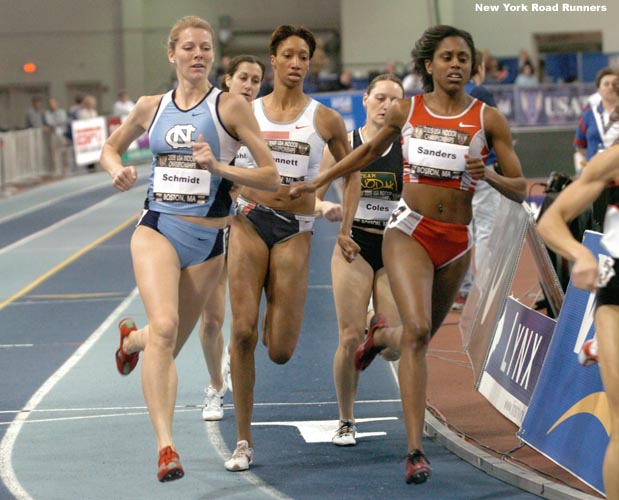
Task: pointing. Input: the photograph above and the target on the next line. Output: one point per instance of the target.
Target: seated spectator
(526, 77)
(35, 116)
(123, 105)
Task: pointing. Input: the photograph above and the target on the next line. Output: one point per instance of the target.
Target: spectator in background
(542, 77)
(88, 109)
(35, 116)
(412, 83)
(486, 199)
(495, 72)
(526, 77)
(343, 82)
(123, 105)
(595, 130)
(75, 107)
(523, 58)
(57, 119)
(595, 120)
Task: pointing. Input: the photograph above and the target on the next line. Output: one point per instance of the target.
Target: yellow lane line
(68, 261)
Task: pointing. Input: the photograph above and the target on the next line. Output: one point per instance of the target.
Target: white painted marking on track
(60, 223)
(9, 346)
(321, 431)
(55, 200)
(120, 411)
(7, 473)
(217, 441)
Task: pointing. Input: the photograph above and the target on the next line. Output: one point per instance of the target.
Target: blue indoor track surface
(73, 428)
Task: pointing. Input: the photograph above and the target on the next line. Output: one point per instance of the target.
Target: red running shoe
(170, 467)
(125, 363)
(588, 354)
(367, 351)
(418, 468)
(459, 303)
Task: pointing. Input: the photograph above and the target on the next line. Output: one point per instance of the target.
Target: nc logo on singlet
(179, 136)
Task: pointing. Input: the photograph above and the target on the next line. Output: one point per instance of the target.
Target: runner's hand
(125, 178)
(476, 167)
(204, 157)
(298, 188)
(349, 248)
(330, 211)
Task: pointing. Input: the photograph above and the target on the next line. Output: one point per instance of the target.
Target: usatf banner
(568, 418)
(545, 105)
(519, 347)
(348, 104)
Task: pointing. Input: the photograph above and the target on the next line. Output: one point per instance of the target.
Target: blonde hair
(187, 22)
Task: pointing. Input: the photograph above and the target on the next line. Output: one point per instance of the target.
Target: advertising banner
(544, 105)
(348, 104)
(88, 138)
(519, 346)
(568, 418)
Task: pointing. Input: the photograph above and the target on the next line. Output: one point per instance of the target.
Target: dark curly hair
(285, 31)
(427, 44)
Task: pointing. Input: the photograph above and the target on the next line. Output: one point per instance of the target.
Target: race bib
(291, 159)
(435, 159)
(375, 209)
(176, 178)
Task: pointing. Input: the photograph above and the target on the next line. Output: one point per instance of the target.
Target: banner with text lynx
(568, 418)
(519, 346)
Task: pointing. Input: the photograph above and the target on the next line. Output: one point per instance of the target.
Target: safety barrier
(31, 154)
(36, 153)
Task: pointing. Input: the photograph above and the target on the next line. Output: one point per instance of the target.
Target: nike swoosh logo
(196, 114)
(301, 126)
(465, 125)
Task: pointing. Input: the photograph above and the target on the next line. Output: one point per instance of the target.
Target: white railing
(31, 154)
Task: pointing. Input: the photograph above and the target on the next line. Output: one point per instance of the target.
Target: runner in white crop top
(270, 236)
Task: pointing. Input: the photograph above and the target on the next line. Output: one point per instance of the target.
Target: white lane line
(7, 473)
(142, 410)
(60, 223)
(55, 200)
(217, 441)
(9, 346)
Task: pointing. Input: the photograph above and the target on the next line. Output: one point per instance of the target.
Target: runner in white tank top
(270, 236)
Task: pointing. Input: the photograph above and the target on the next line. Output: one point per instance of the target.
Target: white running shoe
(588, 354)
(225, 369)
(241, 458)
(345, 435)
(213, 404)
